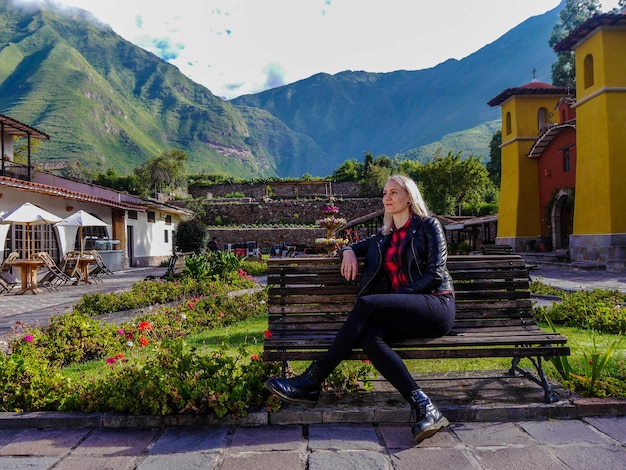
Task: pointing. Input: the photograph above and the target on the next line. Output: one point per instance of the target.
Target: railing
(15, 170)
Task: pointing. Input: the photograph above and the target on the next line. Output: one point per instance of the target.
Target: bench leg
(550, 395)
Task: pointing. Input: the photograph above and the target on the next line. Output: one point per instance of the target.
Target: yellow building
(599, 229)
(599, 216)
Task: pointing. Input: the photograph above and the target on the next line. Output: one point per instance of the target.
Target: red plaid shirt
(393, 258)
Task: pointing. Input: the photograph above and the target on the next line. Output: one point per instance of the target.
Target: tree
(575, 13)
(347, 171)
(377, 171)
(451, 181)
(494, 165)
(164, 173)
(191, 236)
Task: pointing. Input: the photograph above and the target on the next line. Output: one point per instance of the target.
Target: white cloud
(235, 47)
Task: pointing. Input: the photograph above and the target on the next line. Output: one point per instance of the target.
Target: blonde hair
(418, 205)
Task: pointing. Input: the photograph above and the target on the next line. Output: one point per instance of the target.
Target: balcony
(15, 170)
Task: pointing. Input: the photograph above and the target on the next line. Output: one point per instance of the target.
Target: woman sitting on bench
(405, 292)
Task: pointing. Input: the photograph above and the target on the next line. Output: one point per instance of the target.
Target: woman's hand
(349, 265)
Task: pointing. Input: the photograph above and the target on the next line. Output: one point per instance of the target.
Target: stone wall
(282, 190)
(281, 212)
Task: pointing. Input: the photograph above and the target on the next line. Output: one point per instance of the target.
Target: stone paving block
(518, 458)
(441, 458)
(348, 460)
(392, 416)
(599, 457)
(600, 406)
(564, 432)
(265, 460)
(343, 437)
(268, 438)
(118, 442)
(49, 419)
(399, 437)
(7, 435)
(44, 442)
(295, 416)
(187, 461)
(348, 416)
(196, 439)
(491, 434)
(101, 463)
(32, 463)
(614, 427)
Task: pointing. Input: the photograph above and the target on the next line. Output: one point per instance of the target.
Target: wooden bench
(496, 250)
(309, 300)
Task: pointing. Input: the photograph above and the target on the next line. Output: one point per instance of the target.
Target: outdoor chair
(100, 269)
(55, 275)
(69, 265)
(7, 279)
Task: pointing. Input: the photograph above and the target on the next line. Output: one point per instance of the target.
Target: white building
(140, 232)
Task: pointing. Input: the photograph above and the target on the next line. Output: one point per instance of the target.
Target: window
(132, 215)
(166, 236)
(542, 115)
(566, 161)
(508, 123)
(151, 216)
(588, 71)
(168, 220)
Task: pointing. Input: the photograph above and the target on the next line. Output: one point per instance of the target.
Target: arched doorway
(562, 219)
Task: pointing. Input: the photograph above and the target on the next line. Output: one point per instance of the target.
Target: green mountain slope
(108, 103)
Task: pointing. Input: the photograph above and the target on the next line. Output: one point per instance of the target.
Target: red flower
(119, 356)
(144, 326)
(255, 357)
(267, 334)
(143, 342)
(111, 360)
(191, 305)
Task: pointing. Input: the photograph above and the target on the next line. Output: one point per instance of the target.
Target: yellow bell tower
(599, 234)
(526, 110)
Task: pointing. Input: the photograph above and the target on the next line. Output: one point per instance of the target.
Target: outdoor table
(83, 262)
(28, 269)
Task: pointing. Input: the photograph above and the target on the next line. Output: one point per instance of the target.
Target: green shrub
(176, 379)
(28, 382)
(600, 310)
(254, 267)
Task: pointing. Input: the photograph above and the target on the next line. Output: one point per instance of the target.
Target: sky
(237, 47)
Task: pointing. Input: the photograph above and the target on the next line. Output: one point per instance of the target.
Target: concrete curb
(566, 409)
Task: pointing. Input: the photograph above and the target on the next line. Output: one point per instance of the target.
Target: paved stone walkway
(592, 443)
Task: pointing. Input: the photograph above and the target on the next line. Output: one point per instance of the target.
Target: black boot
(304, 389)
(426, 419)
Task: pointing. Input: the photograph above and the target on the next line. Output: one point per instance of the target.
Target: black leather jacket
(424, 256)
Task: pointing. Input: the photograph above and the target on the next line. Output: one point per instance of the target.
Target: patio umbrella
(29, 214)
(82, 219)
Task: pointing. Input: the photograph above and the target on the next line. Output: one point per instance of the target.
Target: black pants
(378, 319)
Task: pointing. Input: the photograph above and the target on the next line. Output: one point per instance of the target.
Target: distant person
(405, 292)
(213, 245)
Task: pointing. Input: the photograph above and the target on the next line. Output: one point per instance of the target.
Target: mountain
(110, 104)
(393, 113)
